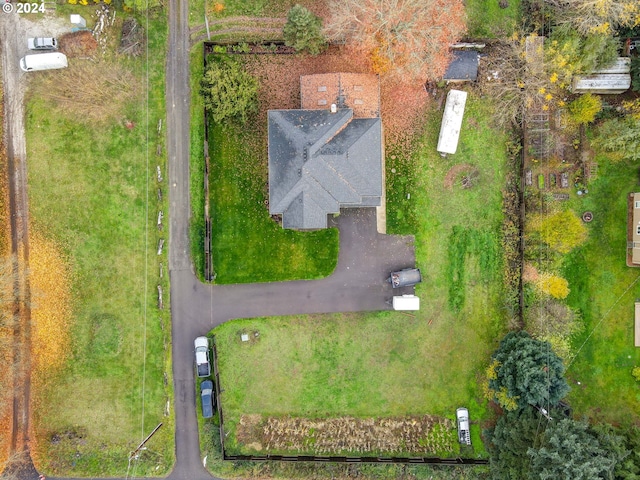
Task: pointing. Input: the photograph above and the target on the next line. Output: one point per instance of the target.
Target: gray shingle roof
(320, 161)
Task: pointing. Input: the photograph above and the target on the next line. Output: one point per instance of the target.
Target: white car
(42, 43)
(464, 434)
(202, 356)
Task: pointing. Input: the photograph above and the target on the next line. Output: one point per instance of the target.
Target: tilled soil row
(414, 435)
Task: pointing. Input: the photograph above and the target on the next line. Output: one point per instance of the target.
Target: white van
(43, 61)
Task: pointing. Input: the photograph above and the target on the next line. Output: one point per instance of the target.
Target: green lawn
(387, 363)
(247, 245)
(92, 190)
(485, 19)
(604, 289)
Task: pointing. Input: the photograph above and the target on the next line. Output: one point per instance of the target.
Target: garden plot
(421, 435)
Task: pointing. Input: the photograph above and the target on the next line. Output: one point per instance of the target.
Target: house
(463, 67)
(609, 80)
(451, 122)
(328, 154)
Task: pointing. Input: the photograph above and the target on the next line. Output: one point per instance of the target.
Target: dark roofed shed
(463, 67)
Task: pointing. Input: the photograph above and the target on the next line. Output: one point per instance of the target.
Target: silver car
(42, 43)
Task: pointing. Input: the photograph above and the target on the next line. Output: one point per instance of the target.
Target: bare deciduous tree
(410, 38)
(512, 80)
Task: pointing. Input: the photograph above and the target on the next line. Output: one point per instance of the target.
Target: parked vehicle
(405, 278)
(203, 364)
(206, 394)
(43, 61)
(406, 302)
(42, 43)
(464, 434)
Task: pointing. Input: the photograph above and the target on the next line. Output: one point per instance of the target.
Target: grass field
(604, 289)
(457, 229)
(487, 20)
(386, 363)
(247, 245)
(93, 193)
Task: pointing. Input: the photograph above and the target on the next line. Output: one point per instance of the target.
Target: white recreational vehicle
(451, 122)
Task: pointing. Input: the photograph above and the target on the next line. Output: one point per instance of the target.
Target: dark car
(405, 278)
(206, 394)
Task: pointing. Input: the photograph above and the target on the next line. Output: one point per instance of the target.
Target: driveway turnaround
(359, 283)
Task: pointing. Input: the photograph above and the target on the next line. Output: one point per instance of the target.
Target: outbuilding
(616, 78)
(463, 66)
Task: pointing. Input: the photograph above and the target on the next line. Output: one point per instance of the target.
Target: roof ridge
(330, 133)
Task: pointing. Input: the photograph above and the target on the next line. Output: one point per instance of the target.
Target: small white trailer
(451, 122)
(406, 302)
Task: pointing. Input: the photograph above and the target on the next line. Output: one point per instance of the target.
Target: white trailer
(451, 122)
(406, 302)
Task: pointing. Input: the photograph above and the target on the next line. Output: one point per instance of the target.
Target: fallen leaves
(51, 306)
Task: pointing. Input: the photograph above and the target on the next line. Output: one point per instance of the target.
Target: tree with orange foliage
(409, 38)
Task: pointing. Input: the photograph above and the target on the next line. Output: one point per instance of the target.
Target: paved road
(188, 464)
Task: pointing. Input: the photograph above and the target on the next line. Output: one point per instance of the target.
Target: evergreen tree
(526, 372)
(570, 451)
(510, 440)
(303, 31)
(229, 91)
(624, 443)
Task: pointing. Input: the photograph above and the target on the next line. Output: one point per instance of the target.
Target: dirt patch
(453, 175)
(530, 273)
(420, 435)
(78, 44)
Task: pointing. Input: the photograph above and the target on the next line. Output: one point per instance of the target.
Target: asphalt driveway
(359, 283)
